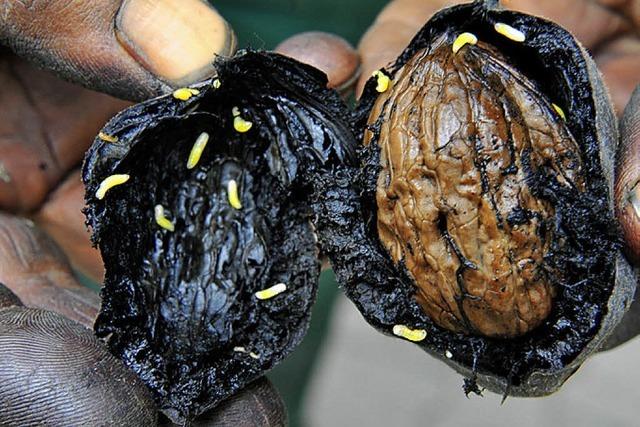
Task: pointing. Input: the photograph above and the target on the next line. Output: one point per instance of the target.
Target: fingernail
(176, 40)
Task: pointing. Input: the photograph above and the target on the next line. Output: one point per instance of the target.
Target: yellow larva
(232, 194)
(382, 81)
(161, 220)
(271, 292)
(244, 350)
(559, 110)
(462, 40)
(108, 138)
(509, 32)
(197, 149)
(110, 182)
(184, 93)
(216, 84)
(239, 124)
(407, 333)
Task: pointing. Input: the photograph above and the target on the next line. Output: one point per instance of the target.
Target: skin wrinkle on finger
(183, 51)
(40, 383)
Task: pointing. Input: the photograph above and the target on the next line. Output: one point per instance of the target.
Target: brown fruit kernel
(460, 137)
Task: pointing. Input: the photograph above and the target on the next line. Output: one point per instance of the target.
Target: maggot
(161, 220)
(382, 81)
(407, 333)
(109, 183)
(185, 93)
(239, 124)
(232, 194)
(107, 138)
(462, 40)
(197, 149)
(271, 292)
(509, 32)
(559, 110)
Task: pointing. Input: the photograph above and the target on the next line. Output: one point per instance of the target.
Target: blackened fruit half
(482, 226)
(198, 203)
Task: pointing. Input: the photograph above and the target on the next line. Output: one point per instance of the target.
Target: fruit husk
(179, 308)
(539, 362)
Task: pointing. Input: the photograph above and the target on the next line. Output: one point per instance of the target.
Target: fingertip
(259, 405)
(132, 49)
(327, 52)
(176, 40)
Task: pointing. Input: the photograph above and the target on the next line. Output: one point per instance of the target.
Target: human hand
(52, 369)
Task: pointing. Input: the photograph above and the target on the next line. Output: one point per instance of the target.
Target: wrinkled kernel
(454, 204)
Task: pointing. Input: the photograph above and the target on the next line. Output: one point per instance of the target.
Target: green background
(262, 25)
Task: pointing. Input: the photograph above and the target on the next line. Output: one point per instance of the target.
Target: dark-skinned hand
(53, 371)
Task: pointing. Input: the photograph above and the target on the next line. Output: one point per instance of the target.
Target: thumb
(132, 49)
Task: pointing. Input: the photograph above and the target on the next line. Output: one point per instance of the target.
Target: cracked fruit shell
(481, 226)
(197, 201)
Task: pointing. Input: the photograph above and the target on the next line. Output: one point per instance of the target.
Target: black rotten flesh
(481, 226)
(188, 250)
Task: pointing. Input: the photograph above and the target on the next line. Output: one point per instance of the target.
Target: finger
(629, 8)
(133, 49)
(36, 270)
(327, 52)
(62, 218)
(627, 186)
(589, 21)
(257, 405)
(55, 372)
(45, 127)
(619, 61)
